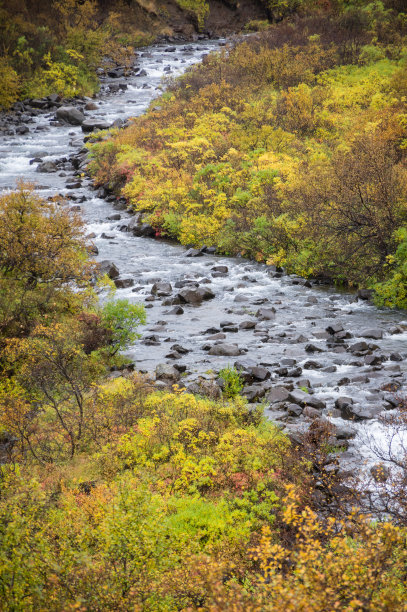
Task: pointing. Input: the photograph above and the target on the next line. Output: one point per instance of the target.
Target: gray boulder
(266, 314)
(167, 372)
(225, 350)
(161, 289)
(91, 125)
(277, 395)
(374, 334)
(47, 167)
(305, 399)
(195, 296)
(70, 114)
(360, 413)
(108, 267)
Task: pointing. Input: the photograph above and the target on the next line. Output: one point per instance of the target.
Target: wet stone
(124, 283)
(247, 325)
(342, 402)
(311, 413)
(360, 413)
(219, 336)
(312, 348)
(295, 372)
(373, 360)
(108, 267)
(294, 410)
(287, 361)
(254, 392)
(374, 334)
(259, 372)
(359, 347)
(221, 269)
(312, 365)
(329, 369)
(226, 350)
(193, 253)
(165, 371)
(161, 289)
(266, 314)
(195, 296)
(334, 328)
(180, 349)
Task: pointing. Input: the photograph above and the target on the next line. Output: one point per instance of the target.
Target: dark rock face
(353, 412)
(124, 283)
(194, 253)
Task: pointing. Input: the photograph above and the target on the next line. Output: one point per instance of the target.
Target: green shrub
(233, 381)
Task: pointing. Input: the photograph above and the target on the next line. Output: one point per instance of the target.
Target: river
(293, 345)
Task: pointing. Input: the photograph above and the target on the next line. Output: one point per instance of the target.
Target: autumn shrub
(43, 251)
(9, 84)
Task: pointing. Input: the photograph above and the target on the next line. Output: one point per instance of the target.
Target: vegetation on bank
(56, 47)
(116, 496)
(288, 147)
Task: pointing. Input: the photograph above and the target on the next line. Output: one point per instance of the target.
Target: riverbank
(172, 499)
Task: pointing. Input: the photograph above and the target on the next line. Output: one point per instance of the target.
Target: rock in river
(70, 114)
(108, 267)
(195, 296)
(226, 350)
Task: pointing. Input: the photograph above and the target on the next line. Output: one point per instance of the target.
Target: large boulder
(91, 125)
(70, 114)
(225, 350)
(352, 412)
(374, 334)
(305, 399)
(144, 230)
(167, 372)
(277, 395)
(195, 296)
(161, 289)
(47, 166)
(108, 267)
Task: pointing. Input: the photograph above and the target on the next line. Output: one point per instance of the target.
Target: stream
(272, 326)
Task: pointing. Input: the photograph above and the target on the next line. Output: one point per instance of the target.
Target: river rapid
(274, 327)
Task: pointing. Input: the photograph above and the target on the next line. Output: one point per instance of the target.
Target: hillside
(55, 47)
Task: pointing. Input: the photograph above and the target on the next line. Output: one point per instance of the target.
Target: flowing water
(302, 313)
